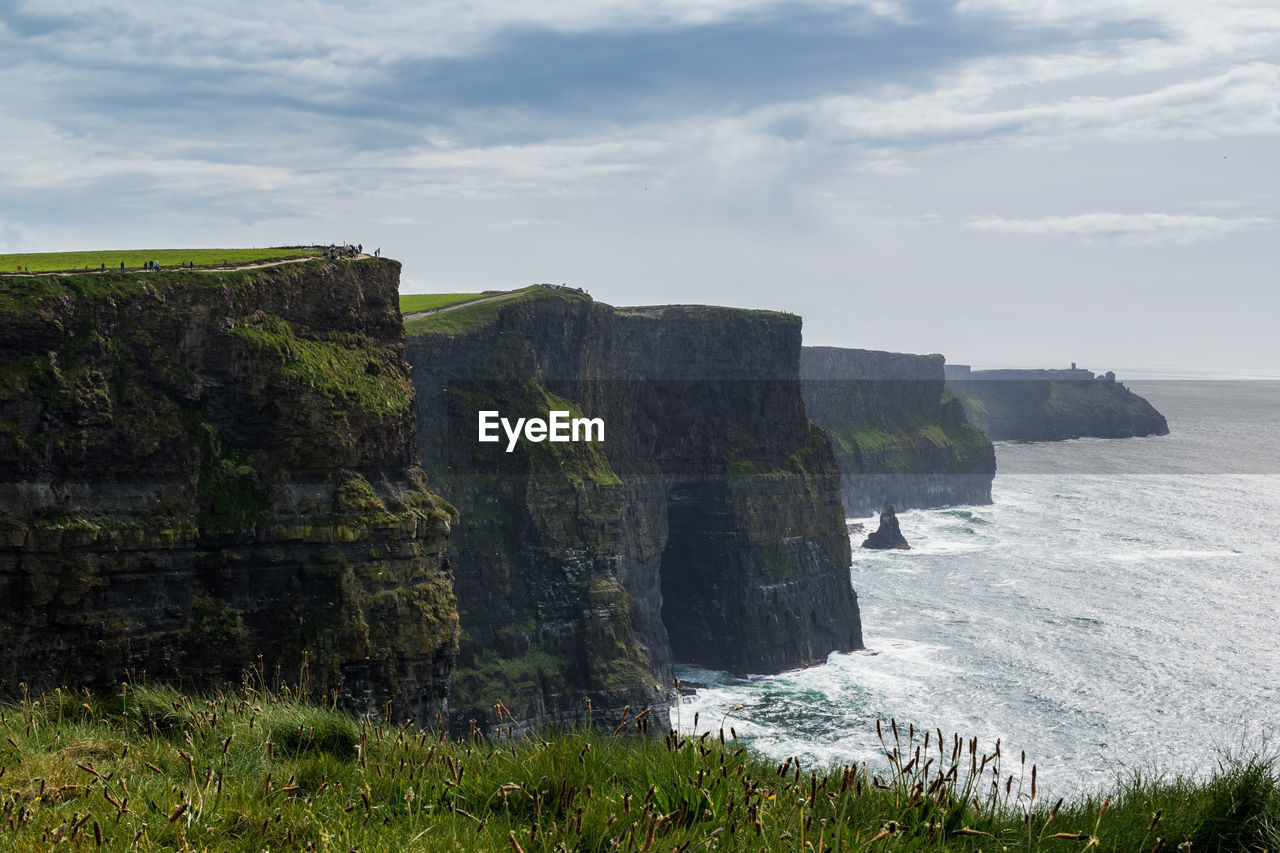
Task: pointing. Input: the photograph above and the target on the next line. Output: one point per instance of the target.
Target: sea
(1115, 611)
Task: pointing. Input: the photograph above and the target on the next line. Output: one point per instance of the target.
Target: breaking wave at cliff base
(1114, 608)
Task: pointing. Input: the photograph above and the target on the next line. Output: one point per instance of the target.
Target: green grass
(249, 770)
(136, 258)
(414, 302)
(20, 294)
(340, 369)
(472, 317)
(904, 435)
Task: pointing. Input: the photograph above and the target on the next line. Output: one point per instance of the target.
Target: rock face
(706, 527)
(898, 435)
(888, 535)
(197, 469)
(1050, 405)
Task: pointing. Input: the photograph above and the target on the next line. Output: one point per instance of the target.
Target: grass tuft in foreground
(251, 770)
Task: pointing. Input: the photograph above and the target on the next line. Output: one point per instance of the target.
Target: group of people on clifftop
(347, 250)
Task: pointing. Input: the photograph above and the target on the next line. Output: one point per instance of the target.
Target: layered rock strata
(200, 471)
(705, 528)
(1051, 405)
(899, 437)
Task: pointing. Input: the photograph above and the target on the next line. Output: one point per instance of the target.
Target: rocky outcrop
(706, 527)
(1050, 405)
(203, 470)
(898, 435)
(888, 536)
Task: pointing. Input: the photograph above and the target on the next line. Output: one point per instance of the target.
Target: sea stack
(887, 535)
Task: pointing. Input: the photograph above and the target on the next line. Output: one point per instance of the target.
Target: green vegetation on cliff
(893, 441)
(343, 367)
(468, 318)
(411, 303)
(45, 295)
(490, 677)
(229, 493)
(248, 770)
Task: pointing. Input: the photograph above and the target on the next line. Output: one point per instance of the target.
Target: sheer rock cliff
(705, 528)
(899, 437)
(201, 468)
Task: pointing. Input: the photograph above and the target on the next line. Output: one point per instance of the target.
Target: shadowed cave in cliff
(690, 606)
(749, 590)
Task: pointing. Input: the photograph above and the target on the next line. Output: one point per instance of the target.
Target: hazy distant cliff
(200, 468)
(707, 527)
(1048, 405)
(899, 437)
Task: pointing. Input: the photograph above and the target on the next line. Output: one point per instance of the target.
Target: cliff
(1050, 405)
(706, 527)
(200, 468)
(899, 437)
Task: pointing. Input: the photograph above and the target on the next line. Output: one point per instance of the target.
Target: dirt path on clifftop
(273, 263)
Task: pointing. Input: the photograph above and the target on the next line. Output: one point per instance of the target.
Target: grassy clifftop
(136, 258)
(463, 313)
(246, 770)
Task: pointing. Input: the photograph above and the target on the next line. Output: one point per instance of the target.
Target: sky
(1006, 182)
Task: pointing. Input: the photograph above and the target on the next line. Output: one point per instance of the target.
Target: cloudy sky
(1007, 182)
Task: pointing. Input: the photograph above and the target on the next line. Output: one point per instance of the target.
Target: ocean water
(1117, 608)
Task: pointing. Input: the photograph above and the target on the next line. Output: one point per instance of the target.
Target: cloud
(500, 96)
(972, 109)
(721, 141)
(1127, 227)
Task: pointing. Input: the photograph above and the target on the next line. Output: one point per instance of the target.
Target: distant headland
(1052, 404)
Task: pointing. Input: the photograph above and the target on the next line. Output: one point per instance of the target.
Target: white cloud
(1238, 101)
(39, 156)
(1132, 227)
(314, 117)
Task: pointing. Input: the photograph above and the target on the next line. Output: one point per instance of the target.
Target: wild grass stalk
(150, 768)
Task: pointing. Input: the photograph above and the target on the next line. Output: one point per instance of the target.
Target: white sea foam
(1158, 554)
(1096, 618)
